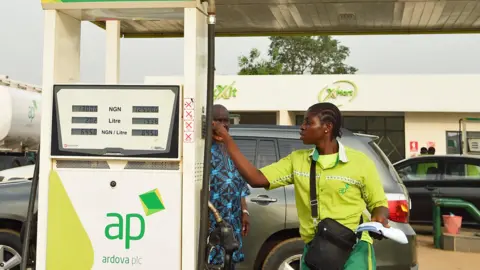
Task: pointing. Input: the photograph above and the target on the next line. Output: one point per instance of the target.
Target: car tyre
(288, 252)
(11, 248)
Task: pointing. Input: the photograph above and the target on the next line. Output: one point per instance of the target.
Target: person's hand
(384, 221)
(245, 224)
(219, 131)
(381, 219)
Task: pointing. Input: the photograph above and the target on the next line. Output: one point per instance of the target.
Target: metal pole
(464, 137)
(460, 135)
(437, 225)
(205, 193)
(31, 207)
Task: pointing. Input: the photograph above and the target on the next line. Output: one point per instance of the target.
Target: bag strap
(313, 192)
(313, 195)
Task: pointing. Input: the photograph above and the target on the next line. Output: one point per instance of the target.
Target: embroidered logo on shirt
(344, 189)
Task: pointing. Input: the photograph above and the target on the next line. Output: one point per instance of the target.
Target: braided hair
(328, 113)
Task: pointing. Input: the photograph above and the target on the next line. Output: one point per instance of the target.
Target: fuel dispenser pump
(114, 188)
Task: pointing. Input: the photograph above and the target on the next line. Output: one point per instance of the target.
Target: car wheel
(10, 250)
(285, 256)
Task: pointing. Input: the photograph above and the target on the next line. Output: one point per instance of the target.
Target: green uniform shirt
(344, 190)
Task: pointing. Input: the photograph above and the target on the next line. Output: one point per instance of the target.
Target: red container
(452, 224)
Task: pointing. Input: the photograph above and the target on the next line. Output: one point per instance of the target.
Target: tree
(298, 55)
(253, 65)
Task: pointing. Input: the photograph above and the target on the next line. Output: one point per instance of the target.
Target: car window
(467, 170)
(287, 146)
(266, 153)
(248, 148)
(423, 170)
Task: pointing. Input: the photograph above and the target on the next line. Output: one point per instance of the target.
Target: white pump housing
(19, 115)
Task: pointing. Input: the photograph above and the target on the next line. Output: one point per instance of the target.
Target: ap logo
(121, 228)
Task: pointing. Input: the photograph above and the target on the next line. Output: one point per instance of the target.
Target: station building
(406, 112)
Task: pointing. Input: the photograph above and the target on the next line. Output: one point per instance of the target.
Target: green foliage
(253, 65)
(298, 55)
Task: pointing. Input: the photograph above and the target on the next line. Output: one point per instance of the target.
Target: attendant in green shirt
(422, 168)
(347, 180)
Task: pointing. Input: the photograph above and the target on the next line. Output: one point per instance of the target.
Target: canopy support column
(112, 66)
(195, 84)
(61, 64)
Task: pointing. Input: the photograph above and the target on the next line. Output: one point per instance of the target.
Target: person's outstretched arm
(270, 177)
(248, 171)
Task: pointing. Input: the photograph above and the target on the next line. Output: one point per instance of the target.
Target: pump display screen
(144, 121)
(84, 108)
(114, 120)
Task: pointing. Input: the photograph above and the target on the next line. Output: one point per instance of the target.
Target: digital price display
(116, 120)
(84, 120)
(84, 131)
(84, 108)
(144, 121)
(144, 132)
(145, 109)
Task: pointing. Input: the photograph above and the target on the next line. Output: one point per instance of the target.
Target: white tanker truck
(19, 122)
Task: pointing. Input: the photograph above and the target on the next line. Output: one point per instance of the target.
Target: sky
(21, 48)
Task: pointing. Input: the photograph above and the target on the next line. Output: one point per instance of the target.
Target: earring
(326, 131)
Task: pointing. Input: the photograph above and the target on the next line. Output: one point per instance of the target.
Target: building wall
(432, 127)
(432, 104)
(365, 93)
(285, 118)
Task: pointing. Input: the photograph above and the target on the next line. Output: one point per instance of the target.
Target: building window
(453, 140)
(299, 119)
(255, 118)
(389, 129)
(356, 124)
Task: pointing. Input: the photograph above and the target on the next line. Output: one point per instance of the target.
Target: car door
(421, 176)
(267, 208)
(461, 180)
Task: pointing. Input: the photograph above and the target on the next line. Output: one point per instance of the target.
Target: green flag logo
(152, 202)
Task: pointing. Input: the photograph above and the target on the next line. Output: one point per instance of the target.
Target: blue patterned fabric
(227, 188)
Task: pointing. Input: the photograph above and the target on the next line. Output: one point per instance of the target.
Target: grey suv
(274, 241)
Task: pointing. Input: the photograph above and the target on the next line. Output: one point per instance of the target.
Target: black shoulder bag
(333, 242)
